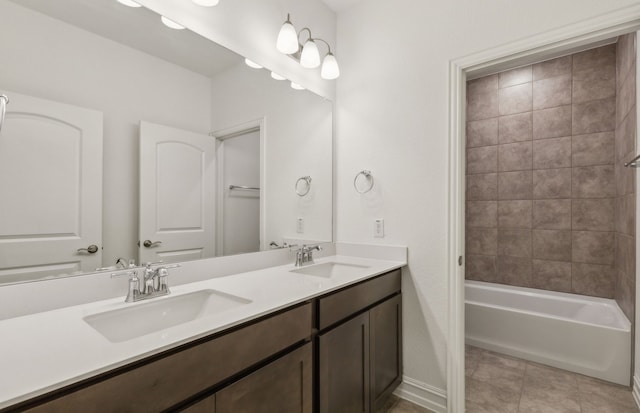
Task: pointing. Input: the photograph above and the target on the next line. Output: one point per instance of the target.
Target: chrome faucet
(304, 255)
(155, 282)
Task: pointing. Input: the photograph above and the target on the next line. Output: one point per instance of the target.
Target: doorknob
(91, 249)
(148, 243)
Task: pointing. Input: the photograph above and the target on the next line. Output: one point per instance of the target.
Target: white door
(50, 189)
(239, 225)
(177, 194)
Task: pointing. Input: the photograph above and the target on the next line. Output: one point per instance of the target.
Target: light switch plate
(378, 228)
(300, 225)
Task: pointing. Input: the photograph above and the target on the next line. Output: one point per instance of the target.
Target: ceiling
(140, 29)
(338, 5)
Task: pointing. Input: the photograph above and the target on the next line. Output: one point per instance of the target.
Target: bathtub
(586, 335)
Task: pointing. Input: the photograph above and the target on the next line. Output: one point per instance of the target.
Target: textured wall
(625, 177)
(541, 190)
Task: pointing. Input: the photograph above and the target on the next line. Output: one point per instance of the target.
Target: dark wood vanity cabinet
(360, 358)
(284, 385)
(338, 353)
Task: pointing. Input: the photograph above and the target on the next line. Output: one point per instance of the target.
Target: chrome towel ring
(4, 100)
(367, 175)
(307, 186)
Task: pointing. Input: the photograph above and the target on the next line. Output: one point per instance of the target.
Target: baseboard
(636, 390)
(422, 394)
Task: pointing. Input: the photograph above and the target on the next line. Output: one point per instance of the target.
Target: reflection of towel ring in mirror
(368, 177)
(307, 181)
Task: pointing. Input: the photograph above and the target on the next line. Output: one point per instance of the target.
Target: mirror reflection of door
(51, 189)
(239, 218)
(177, 194)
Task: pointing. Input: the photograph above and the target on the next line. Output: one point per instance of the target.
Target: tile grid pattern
(496, 383)
(625, 136)
(540, 175)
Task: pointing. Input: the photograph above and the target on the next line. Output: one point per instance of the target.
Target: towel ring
(368, 176)
(307, 181)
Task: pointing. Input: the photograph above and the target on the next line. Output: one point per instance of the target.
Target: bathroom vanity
(335, 346)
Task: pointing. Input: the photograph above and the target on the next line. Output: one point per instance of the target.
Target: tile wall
(625, 134)
(541, 176)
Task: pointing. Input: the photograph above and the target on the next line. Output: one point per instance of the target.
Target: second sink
(138, 320)
(331, 269)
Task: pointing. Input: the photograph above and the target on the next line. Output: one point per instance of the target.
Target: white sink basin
(331, 269)
(161, 313)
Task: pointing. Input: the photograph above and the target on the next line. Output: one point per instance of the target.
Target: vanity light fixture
(252, 64)
(129, 3)
(308, 54)
(296, 86)
(171, 24)
(206, 3)
(277, 76)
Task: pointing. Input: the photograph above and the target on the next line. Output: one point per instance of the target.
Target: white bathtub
(586, 335)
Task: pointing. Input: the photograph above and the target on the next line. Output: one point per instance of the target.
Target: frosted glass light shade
(129, 3)
(296, 86)
(330, 69)
(287, 42)
(171, 24)
(276, 76)
(206, 3)
(252, 64)
(310, 57)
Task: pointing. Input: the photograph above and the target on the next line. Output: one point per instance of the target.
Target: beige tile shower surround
(548, 205)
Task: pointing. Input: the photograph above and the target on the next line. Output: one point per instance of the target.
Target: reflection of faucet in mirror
(274, 245)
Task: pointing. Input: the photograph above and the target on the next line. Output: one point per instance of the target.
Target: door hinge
(460, 260)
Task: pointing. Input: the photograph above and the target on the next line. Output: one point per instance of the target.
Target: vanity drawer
(342, 304)
(162, 383)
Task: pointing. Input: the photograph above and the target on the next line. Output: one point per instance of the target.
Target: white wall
(56, 61)
(392, 118)
(298, 142)
(250, 28)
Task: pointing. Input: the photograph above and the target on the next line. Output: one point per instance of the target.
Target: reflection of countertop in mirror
(46, 351)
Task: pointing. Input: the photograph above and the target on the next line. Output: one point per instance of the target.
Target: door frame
(220, 136)
(554, 43)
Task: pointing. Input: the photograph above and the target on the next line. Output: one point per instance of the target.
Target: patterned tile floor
(496, 383)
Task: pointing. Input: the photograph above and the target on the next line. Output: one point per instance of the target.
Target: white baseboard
(636, 390)
(422, 394)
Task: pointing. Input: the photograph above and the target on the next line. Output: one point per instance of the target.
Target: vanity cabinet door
(344, 367)
(386, 350)
(207, 405)
(283, 386)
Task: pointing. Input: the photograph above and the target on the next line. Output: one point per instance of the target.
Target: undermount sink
(331, 269)
(138, 320)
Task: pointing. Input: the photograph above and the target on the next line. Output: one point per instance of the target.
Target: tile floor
(496, 383)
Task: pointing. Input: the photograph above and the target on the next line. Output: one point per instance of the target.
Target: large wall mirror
(126, 139)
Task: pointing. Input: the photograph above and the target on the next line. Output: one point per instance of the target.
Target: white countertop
(45, 351)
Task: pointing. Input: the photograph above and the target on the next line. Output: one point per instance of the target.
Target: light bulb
(287, 42)
(296, 86)
(310, 57)
(206, 3)
(252, 64)
(129, 3)
(171, 24)
(330, 69)
(277, 76)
